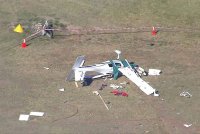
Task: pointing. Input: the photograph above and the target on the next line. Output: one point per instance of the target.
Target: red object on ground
(124, 94)
(154, 31)
(24, 43)
(117, 92)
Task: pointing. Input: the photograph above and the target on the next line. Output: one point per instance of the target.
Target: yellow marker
(18, 29)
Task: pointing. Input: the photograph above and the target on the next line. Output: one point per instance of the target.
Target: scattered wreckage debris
(39, 29)
(76, 84)
(154, 72)
(37, 114)
(102, 86)
(46, 68)
(119, 93)
(45, 29)
(97, 93)
(185, 94)
(150, 44)
(124, 83)
(187, 125)
(61, 89)
(113, 68)
(114, 86)
(25, 117)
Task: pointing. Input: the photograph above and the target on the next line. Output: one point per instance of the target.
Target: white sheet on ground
(23, 117)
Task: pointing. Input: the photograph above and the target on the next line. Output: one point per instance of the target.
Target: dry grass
(26, 85)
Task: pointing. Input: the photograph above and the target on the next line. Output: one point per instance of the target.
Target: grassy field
(26, 86)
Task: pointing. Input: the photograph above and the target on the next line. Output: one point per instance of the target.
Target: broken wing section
(78, 63)
(130, 73)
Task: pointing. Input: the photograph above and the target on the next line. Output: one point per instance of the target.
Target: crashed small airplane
(112, 68)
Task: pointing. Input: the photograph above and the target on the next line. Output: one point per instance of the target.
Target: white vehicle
(112, 68)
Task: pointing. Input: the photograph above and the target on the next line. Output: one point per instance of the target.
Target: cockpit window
(118, 64)
(110, 65)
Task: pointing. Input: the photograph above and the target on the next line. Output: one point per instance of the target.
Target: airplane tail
(72, 75)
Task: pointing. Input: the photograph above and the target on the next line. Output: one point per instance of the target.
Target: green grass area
(91, 12)
(26, 85)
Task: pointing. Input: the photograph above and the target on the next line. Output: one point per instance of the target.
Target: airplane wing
(144, 86)
(78, 63)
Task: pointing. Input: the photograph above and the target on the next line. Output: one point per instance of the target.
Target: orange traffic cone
(24, 43)
(154, 31)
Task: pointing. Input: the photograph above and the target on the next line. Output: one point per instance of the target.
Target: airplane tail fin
(78, 63)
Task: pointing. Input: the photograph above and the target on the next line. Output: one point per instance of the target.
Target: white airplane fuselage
(104, 69)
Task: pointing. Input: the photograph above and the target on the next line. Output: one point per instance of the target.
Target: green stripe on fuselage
(115, 70)
(127, 64)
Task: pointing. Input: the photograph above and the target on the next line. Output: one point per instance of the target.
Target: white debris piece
(23, 117)
(141, 71)
(95, 92)
(185, 94)
(37, 113)
(46, 68)
(154, 72)
(156, 94)
(124, 83)
(114, 86)
(187, 125)
(61, 90)
(76, 84)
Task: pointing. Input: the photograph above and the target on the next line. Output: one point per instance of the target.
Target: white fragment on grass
(114, 86)
(185, 94)
(76, 84)
(187, 125)
(111, 78)
(95, 92)
(156, 94)
(46, 68)
(124, 83)
(61, 90)
(37, 113)
(154, 72)
(23, 117)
